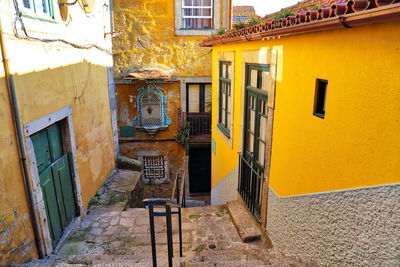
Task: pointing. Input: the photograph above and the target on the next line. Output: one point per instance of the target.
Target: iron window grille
(197, 14)
(224, 107)
(153, 168)
(151, 110)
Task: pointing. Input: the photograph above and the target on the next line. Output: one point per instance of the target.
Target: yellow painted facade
(356, 144)
(149, 40)
(48, 77)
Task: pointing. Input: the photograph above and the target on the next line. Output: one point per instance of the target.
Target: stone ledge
(243, 221)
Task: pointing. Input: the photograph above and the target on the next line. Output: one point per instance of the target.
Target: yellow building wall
(15, 225)
(149, 40)
(48, 77)
(356, 145)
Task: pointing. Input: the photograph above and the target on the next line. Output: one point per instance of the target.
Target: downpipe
(21, 147)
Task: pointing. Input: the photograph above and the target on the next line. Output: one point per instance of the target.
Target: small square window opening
(320, 98)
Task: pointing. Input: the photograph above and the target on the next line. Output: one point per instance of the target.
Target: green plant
(221, 32)
(183, 135)
(254, 21)
(239, 25)
(316, 7)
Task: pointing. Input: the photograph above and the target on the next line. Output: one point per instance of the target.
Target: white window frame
(211, 6)
(36, 8)
(215, 19)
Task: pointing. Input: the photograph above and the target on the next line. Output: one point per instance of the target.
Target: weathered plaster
(149, 40)
(357, 227)
(226, 189)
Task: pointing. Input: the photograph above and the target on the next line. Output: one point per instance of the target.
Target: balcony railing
(200, 123)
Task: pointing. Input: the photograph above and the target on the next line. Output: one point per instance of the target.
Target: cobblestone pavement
(113, 232)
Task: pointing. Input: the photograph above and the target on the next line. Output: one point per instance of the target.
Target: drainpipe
(20, 144)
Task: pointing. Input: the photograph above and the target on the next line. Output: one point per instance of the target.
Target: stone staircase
(111, 237)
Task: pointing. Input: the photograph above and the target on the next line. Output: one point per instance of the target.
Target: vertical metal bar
(153, 237)
(169, 235)
(180, 231)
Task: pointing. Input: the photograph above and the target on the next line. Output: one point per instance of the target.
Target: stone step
(243, 221)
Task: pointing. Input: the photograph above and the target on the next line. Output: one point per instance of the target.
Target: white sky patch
(264, 7)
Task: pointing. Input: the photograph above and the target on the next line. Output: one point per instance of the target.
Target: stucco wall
(163, 142)
(149, 40)
(226, 189)
(356, 144)
(48, 77)
(345, 228)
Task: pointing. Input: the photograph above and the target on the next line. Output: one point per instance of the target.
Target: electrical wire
(19, 19)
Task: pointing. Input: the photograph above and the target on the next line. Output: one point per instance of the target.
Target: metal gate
(252, 158)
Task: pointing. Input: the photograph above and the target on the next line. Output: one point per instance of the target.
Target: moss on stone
(193, 216)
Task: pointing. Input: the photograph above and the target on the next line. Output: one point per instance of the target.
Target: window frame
(224, 127)
(31, 11)
(321, 87)
(211, 17)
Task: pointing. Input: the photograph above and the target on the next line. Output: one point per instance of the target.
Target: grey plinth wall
(344, 228)
(226, 190)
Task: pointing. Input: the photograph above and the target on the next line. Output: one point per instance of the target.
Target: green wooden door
(254, 144)
(55, 180)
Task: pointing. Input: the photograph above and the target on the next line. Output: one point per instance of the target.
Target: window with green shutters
(225, 94)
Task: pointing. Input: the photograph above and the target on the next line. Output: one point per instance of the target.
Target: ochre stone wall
(163, 142)
(149, 40)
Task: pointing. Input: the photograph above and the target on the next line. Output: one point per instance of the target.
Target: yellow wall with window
(356, 144)
(48, 77)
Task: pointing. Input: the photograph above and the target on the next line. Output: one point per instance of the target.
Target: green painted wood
(55, 180)
(51, 204)
(42, 150)
(55, 141)
(62, 177)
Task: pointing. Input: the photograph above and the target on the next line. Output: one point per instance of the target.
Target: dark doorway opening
(200, 169)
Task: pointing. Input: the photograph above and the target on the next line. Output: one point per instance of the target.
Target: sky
(264, 7)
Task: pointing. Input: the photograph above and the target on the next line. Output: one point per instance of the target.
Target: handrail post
(180, 231)
(152, 236)
(169, 235)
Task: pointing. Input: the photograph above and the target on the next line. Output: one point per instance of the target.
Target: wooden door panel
(51, 204)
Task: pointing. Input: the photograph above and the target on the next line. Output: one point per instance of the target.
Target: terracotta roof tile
(332, 14)
(243, 13)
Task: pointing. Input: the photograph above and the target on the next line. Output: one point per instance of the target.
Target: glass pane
(228, 120)
(223, 70)
(207, 97)
(27, 3)
(253, 78)
(196, 23)
(252, 120)
(206, 12)
(223, 116)
(251, 143)
(194, 98)
(263, 128)
(229, 72)
(261, 153)
(265, 80)
(223, 95)
(207, 3)
(187, 2)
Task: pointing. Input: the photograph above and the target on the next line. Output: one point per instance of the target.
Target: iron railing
(250, 185)
(162, 203)
(200, 123)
